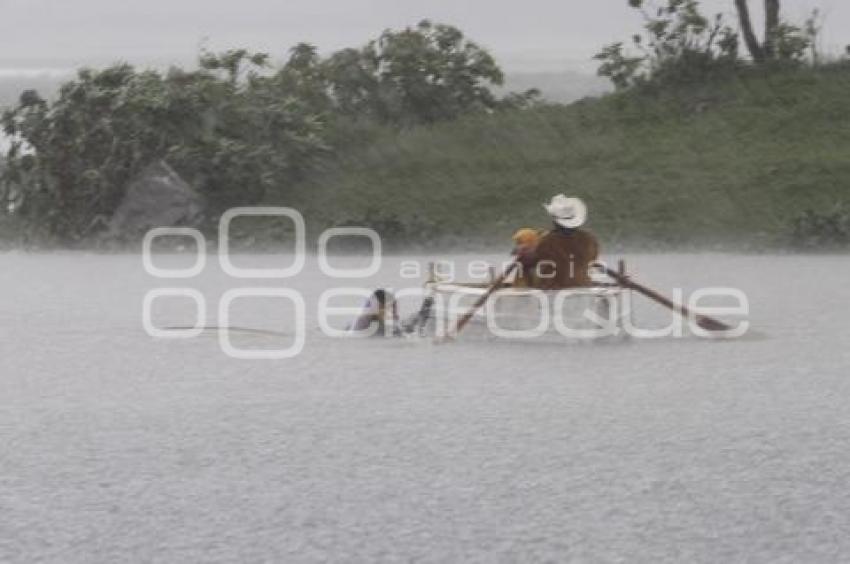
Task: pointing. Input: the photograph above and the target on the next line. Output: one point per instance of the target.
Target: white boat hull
(527, 314)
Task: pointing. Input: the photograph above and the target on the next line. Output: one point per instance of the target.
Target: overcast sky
(523, 34)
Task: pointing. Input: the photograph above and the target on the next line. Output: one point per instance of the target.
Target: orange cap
(526, 236)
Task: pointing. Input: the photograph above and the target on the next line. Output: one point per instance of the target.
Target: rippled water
(120, 447)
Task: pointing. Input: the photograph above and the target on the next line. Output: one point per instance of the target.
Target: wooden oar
(707, 323)
(463, 321)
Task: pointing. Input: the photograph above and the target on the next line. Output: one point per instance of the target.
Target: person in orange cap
(525, 243)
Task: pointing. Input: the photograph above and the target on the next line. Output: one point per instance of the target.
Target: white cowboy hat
(567, 212)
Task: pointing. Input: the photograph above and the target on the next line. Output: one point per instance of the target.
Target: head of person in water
(380, 296)
(375, 311)
(381, 300)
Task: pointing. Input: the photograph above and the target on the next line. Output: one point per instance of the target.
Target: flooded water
(117, 446)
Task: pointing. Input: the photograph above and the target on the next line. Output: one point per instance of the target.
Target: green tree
(303, 78)
(225, 128)
(678, 43)
(417, 75)
(236, 129)
(782, 41)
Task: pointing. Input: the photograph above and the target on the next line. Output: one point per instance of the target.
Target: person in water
(379, 316)
(562, 257)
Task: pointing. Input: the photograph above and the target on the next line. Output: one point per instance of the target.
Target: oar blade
(710, 324)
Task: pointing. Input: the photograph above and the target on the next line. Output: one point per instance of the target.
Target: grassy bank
(733, 162)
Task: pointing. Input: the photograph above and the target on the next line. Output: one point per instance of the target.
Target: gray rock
(157, 197)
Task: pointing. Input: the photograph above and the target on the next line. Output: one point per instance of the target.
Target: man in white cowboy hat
(562, 257)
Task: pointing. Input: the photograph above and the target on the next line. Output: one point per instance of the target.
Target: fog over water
(544, 44)
(536, 35)
(121, 447)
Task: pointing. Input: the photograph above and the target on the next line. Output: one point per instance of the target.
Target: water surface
(120, 447)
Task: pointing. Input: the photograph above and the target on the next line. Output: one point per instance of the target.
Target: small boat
(587, 313)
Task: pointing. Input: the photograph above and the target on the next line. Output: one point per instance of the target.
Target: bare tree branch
(771, 27)
(747, 30)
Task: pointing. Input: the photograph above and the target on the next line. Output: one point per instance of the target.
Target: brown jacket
(561, 260)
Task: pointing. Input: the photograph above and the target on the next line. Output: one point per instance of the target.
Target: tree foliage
(418, 75)
(821, 230)
(680, 43)
(231, 136)
(233, 128)
(424, 74)
(782, 41)
(677, 39)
